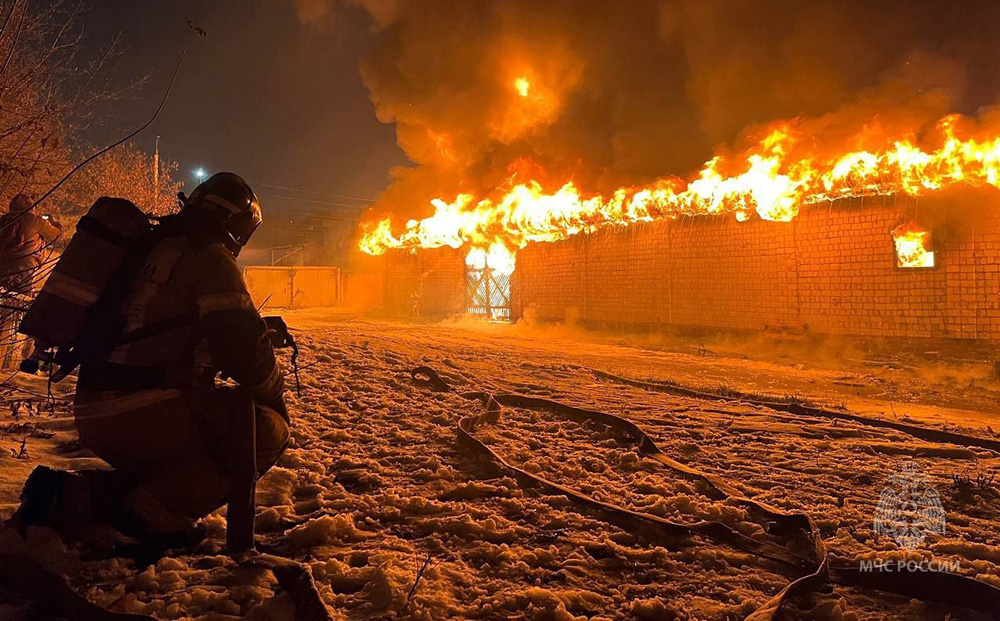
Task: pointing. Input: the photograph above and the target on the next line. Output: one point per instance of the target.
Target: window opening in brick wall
(914, 247)
(487, 283)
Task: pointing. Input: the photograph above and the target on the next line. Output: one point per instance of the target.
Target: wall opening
(913, 246)
(488, 283)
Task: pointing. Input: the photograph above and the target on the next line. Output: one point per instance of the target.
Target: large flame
(498, 258)
(912, 246)
(767, 181)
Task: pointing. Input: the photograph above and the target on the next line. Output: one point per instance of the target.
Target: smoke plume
(611, 94)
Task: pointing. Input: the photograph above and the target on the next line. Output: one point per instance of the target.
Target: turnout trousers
(170, 451)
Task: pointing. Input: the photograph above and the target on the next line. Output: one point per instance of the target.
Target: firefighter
(23, 237)
(152, 408)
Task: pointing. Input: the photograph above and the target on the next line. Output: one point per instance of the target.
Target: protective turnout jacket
(151, 408)
(187, 316)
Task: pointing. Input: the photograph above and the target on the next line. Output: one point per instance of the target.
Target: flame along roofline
(769, 183)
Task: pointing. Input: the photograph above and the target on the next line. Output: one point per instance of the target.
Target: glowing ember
(522, 86)
(766, 179)
(912, 246)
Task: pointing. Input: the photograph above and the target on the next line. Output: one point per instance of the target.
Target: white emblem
(909, 508)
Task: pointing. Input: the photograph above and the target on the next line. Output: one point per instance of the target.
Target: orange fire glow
(766, 180)
(497, 258)
(912, 246)
(522, 86)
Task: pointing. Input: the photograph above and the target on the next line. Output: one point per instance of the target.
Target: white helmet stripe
(218, 200)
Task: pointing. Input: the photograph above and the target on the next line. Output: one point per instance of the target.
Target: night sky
(263, 95)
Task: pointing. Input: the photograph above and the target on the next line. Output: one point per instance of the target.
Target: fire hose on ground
(923, 433)
(814, 567)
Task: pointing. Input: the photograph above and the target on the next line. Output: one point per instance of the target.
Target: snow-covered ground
(375, 482)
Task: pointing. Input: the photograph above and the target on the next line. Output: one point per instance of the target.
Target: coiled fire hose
(814, 565)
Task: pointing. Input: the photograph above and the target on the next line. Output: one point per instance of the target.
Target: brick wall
(429, 283)
(832, 270)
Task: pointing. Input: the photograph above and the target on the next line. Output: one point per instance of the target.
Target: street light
(200, 174)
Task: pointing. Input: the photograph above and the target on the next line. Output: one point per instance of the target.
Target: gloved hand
(277, 332)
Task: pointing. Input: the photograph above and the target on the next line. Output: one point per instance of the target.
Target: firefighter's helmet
(232, 203)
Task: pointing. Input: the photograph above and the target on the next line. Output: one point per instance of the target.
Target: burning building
(897, 243)
(857, 267)
(551, 142)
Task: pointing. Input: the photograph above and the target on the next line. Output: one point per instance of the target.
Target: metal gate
(293, 287)
(487, 293)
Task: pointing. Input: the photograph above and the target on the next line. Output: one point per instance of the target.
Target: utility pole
(156, 171)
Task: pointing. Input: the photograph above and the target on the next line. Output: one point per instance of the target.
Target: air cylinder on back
(95, 253)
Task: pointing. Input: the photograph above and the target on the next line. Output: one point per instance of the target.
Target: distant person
(24, 237)
(179, 443)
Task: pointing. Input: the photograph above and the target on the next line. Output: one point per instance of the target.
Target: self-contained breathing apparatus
(77, 317)
(68, 320)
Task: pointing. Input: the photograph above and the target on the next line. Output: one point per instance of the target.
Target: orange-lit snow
(374, 481)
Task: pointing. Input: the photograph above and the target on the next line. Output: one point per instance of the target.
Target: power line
(291, 189)
(316, 202)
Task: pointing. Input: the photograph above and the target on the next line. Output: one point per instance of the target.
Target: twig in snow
(264, 303)
(420, 574)
(304, 367)
(22, 453)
